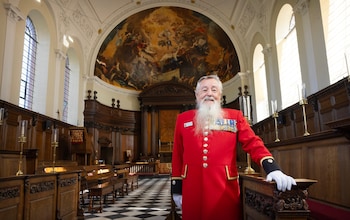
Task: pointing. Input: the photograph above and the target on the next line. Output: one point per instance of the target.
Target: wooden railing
(144, 168)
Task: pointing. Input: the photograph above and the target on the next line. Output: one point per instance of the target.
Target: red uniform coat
(206, 163)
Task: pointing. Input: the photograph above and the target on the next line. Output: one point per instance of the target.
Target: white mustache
(208, 98)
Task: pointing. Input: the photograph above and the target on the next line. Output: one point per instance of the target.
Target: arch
(288, 56)
(42, 60)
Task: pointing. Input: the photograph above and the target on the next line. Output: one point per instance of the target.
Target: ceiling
(90, 21)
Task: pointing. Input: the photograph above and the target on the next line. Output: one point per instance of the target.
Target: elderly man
(204, 173)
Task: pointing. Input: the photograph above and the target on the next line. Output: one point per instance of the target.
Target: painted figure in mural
(165, 43)
(204, 172)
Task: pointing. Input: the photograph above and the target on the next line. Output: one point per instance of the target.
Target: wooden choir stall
(262, 201)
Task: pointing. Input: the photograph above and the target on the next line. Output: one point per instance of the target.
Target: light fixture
(70, 39)
(65, 41)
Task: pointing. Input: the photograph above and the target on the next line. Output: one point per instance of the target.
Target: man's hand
(282, 180)
(178, 200)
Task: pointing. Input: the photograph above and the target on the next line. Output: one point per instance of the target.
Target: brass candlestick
(275, 116)
(54, 145)
(249, 169)
(21, 139)
(304, 102)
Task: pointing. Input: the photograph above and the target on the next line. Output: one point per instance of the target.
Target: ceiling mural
(165, 43)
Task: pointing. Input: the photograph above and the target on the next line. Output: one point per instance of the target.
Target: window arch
(336, 25)
(288, 56)
(28, 66)
(71, 87)
(261, 98)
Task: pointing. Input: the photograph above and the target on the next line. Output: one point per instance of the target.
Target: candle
(23, 125)
(346, 63)
(274, 106)
(248, 107)
(2, 113)
(241, 103)
(55, 135)
(244, 106)
(302, 92)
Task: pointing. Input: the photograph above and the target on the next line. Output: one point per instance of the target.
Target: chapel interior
(90, 91)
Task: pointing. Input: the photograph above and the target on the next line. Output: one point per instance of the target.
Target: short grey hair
(212, 76)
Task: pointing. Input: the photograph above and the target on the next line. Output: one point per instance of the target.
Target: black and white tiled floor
(150, 201)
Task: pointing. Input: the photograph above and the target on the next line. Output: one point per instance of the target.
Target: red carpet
(320, 211)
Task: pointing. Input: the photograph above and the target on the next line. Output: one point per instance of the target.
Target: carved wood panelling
(167, 120)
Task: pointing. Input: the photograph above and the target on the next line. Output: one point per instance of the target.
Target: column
(13, 16)
(58, 84)
(144, 130)
(312, 48)
(154, 131)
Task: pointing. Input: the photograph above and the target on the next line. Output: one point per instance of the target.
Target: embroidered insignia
(188, 124)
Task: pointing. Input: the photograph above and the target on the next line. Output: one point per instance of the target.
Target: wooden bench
(118, 186)
(99, 182)
(100, 191)
(130, 180)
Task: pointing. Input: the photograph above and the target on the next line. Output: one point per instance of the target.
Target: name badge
(188, 124)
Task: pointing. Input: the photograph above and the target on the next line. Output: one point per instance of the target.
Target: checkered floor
(151, 201)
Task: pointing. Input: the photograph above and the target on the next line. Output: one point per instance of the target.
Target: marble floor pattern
(150, 201)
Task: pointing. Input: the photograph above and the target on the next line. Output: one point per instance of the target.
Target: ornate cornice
(13, 12)
(302, 7)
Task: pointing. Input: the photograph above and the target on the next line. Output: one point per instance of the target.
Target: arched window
(336, 25)
(288, 56)
(71, 88)
(28, 66)
(262, 105)
(67, 72)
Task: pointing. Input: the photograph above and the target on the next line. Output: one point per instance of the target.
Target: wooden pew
(100, 191)
(12, 197)
(130, 179)
(40, 196)
(97, 181)
(101, 181)
(68, 188)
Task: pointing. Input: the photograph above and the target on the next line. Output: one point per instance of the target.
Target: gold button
(205, 158)
(205, 165)
(205, 145)
(206, 139)
(205, 151)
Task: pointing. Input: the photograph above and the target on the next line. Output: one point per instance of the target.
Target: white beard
(207, 114)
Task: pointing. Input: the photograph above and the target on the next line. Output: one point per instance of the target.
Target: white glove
(178, 200)
(282, 180)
